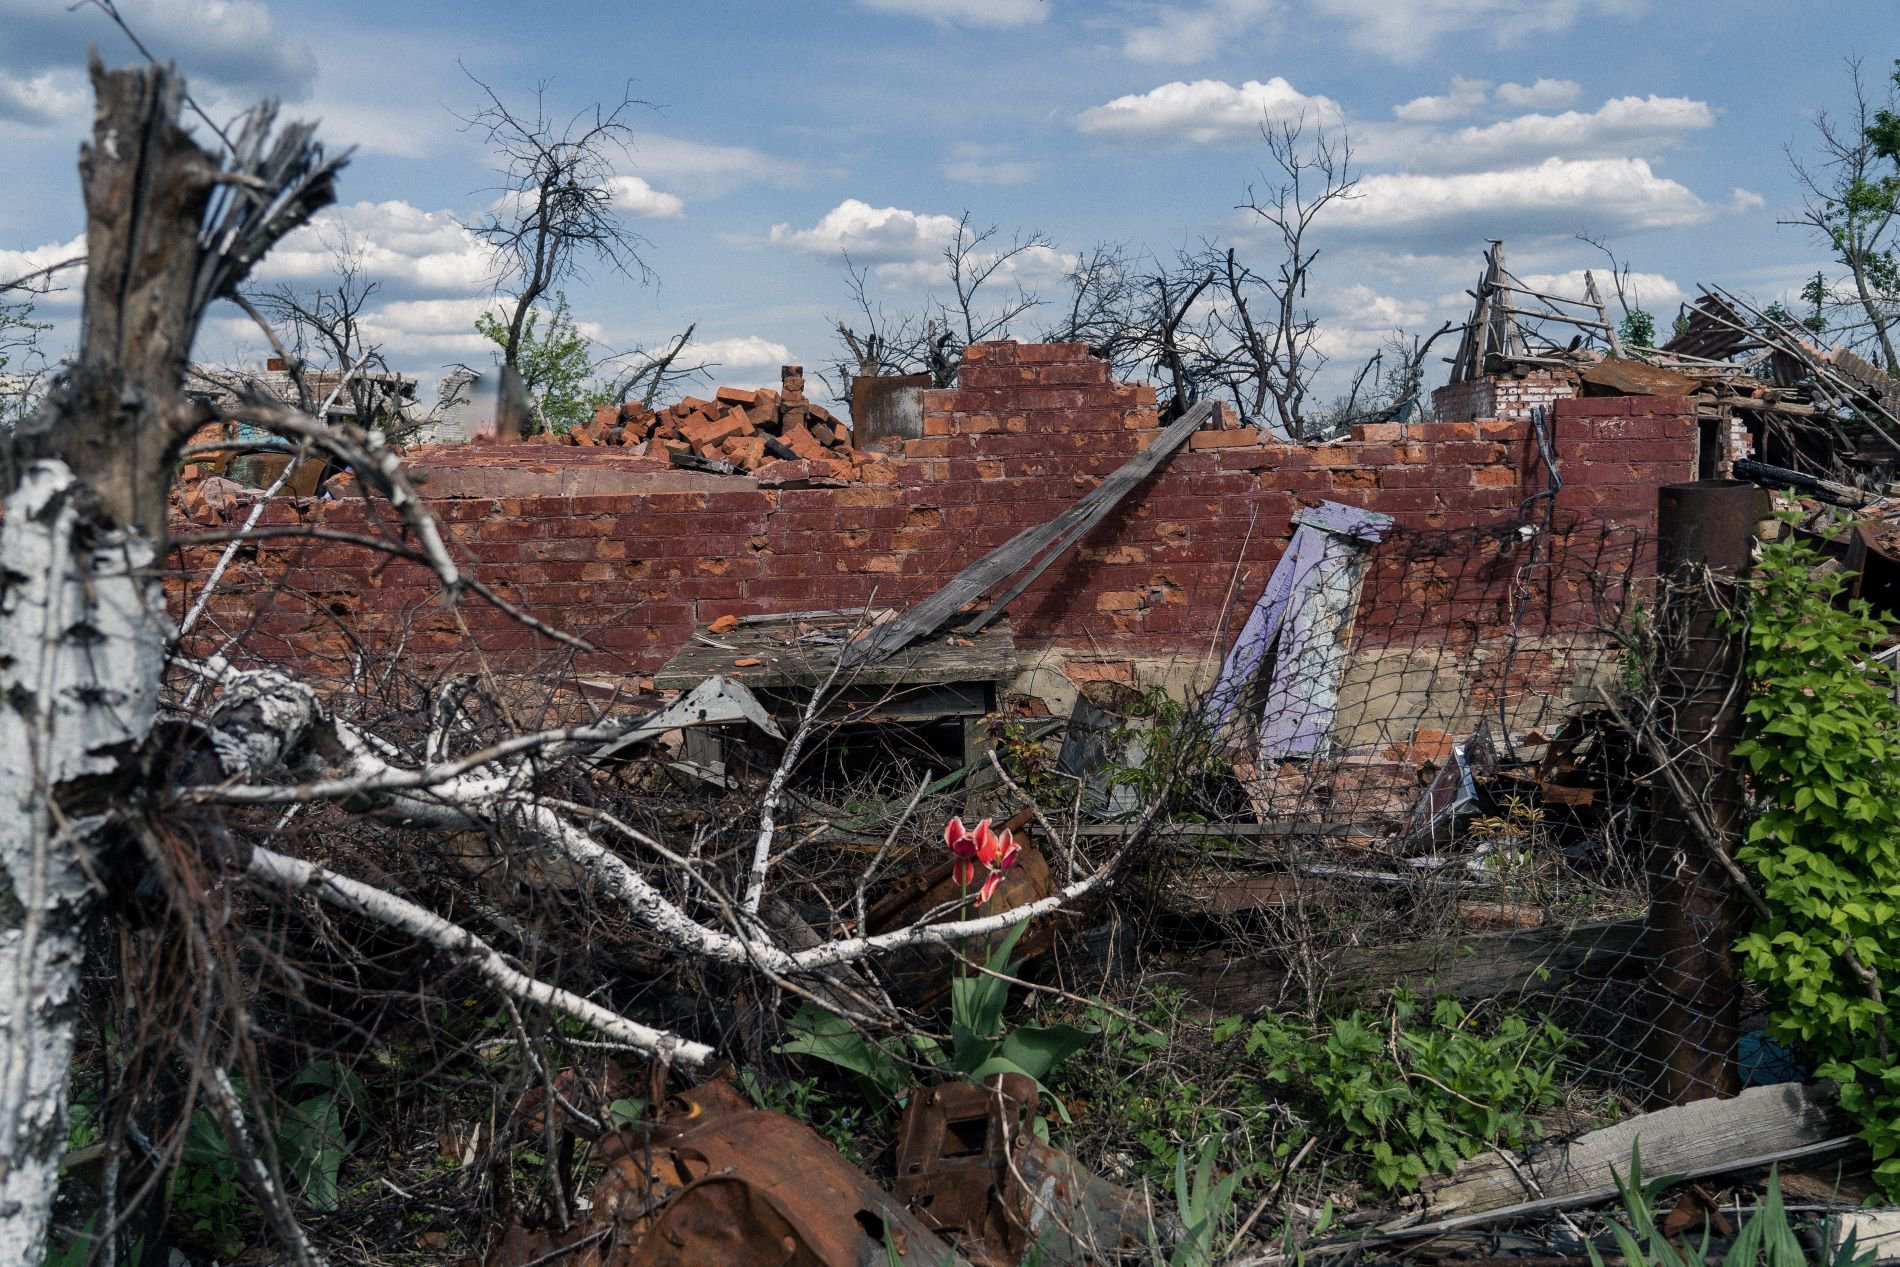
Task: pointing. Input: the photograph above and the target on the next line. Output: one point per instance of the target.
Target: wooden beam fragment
(1014, 555)
(1758, 1122)
(1482, 965)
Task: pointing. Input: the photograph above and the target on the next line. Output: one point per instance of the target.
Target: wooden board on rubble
(1481, 965)
(800, 652)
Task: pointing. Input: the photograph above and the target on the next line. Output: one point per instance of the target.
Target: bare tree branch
(554, 210)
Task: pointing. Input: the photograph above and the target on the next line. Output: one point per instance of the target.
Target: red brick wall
(631, 555)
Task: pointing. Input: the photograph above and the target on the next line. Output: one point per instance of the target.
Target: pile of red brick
(740, 426)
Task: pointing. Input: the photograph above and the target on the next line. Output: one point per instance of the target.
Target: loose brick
(1244, 438)
(804, 444)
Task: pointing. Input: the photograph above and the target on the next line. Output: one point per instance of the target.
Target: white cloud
(62, 289)
(700, 170)
(1367, 309)
(1558, 196)
(1652, 291)
(1620, 128)
(1408, 30)
(231, 44)
(967, 12)
(402, 246)
(1204, 112)
(1192, 35)
(1465, 97)
(971, 164)
(428, 330)
(637, 198)
(871, 234)
(744, 352)
(47, 98)
(1545, 94)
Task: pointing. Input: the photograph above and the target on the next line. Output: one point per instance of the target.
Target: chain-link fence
(1492, 810)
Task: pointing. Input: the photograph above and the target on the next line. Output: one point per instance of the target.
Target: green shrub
(1397, 1093)
(1412, 1091)
(1823, 758)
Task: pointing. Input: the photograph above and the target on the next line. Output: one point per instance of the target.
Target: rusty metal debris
(714, 1180)
(971, 1166)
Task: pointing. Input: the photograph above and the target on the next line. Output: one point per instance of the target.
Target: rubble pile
(740, 428)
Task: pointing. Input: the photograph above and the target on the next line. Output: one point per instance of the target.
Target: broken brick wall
(1502, 397)
(632, 555)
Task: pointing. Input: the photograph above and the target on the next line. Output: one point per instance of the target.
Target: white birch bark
(82, 638)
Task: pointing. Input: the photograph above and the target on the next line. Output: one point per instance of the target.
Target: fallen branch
(297, 876)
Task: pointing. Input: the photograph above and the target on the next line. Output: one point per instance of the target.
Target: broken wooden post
(1703, 536)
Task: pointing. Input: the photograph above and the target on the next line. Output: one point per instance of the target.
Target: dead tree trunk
(1704, 532)
(83, 625)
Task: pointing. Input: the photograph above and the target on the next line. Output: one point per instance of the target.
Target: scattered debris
(971, 1165)
(740, 429)
(1457, 792)
(713, 702)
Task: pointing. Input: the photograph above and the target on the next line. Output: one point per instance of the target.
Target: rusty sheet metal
(716, 1181)
(970, 1166)
(887, 406)
(1618, 376)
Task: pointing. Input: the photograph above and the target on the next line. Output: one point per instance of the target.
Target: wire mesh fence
(1484, 820)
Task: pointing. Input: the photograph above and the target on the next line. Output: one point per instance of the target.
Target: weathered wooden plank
(1573, 1200)
(932, 613)
(1875, 1232)
(1759, 1121)
(1481, 965)
(786, 662)
(1106, 495)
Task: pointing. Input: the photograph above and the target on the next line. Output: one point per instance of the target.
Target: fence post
(1704, 534)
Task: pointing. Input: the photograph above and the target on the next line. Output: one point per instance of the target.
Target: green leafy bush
(1398, 1093)
(1412, 1091)
(1823, 758)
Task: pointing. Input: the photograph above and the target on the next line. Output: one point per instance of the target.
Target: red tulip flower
(963, 847)
(996, 852)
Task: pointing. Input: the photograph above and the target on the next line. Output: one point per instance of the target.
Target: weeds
(1766, 1239)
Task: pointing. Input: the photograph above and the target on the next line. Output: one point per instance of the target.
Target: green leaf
(1037, 1050)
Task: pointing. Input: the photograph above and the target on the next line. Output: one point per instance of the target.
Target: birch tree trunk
(83, 625)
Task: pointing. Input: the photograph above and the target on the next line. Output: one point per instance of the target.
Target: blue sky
(779, 134)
